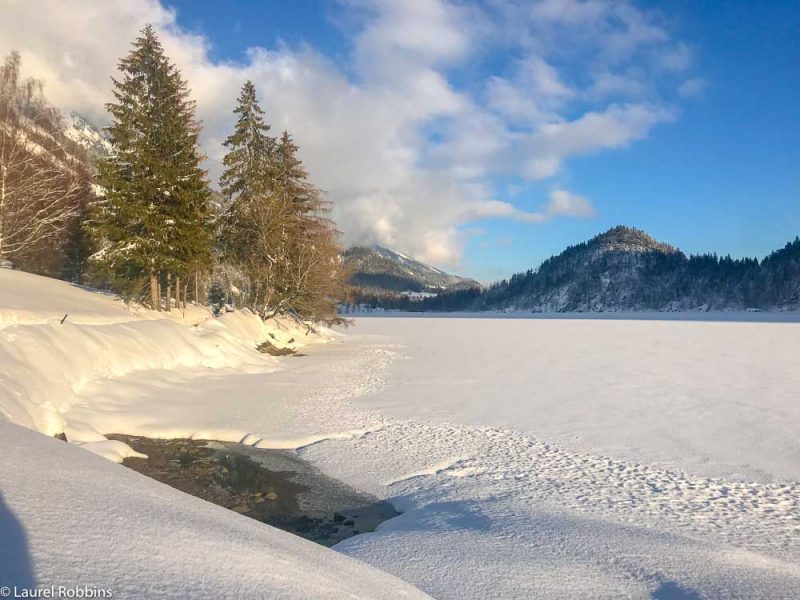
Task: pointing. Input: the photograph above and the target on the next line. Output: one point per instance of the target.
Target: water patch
(273, 486)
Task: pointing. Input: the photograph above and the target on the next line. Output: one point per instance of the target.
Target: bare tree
(44, 180)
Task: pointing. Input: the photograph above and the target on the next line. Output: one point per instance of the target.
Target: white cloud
(615, 127)
(567, 204)
(692, 87)
(561, 203)
(408, 157)
(677, 59)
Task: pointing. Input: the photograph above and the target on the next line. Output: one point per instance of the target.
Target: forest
(143, 220)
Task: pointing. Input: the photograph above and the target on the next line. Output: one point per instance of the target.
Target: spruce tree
(291, 179)
(247, 163)
(153, 219)
(274, 231)
(250, 228)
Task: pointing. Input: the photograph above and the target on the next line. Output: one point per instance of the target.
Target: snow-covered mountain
(86, 134)
(375, 269)
(626, 269)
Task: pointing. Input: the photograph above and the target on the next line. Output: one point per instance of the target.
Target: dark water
(273, 486)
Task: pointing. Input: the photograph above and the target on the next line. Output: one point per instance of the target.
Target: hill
(77, 128)
(625, 269)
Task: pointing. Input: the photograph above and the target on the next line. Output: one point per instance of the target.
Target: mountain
(380, 276)
(625, 269)
(90, 137)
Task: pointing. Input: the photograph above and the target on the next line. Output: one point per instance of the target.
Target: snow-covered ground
(532, 458)
(71, 518)
(525, 454)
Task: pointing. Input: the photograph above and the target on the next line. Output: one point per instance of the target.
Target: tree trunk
(169, 292)
(178, 292)
(154, 299)
(197, 287)
(3, 172)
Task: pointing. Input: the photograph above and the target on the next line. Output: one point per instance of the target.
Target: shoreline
(703, 316)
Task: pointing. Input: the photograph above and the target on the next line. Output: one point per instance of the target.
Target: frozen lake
(713, 397)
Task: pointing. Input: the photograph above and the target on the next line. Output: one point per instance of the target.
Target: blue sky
(484, 136)
(724, 176)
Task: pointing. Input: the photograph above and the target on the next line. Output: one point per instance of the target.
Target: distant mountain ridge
(625, 269)
(380, 275)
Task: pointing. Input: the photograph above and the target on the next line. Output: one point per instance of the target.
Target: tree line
(622, 269)
(144, 220)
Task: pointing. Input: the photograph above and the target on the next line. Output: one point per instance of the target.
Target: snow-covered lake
(531, 458)
(601, 458)
(713, 396)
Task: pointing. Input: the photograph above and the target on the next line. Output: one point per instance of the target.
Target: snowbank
(45, 363)
(69, 518)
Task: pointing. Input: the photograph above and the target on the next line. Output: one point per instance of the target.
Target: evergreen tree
(251, 227)
(313, 282)
(275, 233)
(153, 219)
(247, 163)
(291, 179)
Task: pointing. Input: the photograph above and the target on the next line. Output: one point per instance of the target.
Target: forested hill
(624, 269)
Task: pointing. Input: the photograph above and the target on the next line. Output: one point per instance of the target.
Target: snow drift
(69, 518)
(44, 362)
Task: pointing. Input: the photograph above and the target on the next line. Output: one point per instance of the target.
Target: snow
(715, 398)
(79, 130)
(44, 364)
(418, 411)
(531, 458)
(69, 518)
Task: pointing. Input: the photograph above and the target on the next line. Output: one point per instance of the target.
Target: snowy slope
(70, 518)
(378, 268)
(45, 363)
(89, 136)
(30, 299)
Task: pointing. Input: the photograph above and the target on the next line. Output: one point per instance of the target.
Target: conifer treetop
(250, 148)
